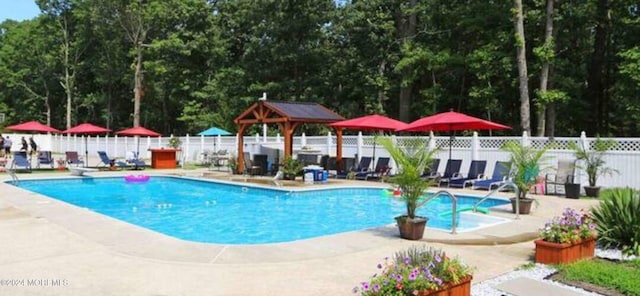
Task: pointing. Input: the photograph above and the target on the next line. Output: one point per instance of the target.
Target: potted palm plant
(290, 168)
(412, 160)
(525, 167)
(592, 162)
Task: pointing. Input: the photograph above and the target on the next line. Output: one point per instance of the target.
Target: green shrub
(620, 276)
(618, 220)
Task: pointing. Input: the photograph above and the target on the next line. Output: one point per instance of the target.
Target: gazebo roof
(276, 111)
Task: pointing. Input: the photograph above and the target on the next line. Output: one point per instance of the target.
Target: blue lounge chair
(111, 163)
(44, 158)
(476, 172)
(363, 166)
(500, 174)
(20, 160)
(73, 158)
(138, 164)
(381, 169)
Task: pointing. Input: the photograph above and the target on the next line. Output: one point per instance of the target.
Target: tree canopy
(180, 66)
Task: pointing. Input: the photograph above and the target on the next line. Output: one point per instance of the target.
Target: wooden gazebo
(288, 115)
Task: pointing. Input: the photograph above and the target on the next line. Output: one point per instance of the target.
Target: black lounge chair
(363, 166)
(382, 168)
(451, 170)
(476, 172)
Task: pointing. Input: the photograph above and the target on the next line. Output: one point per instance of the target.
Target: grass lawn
(620, 278)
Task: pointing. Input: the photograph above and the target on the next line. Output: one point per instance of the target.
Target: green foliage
(412, 160)
(414, 270)
(525, 165)
(593, 162)
(618, 219)
(206, 61)
(619, 276)
(291, 166)
(174, 142)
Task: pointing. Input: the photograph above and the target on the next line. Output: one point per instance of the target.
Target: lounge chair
(381, 169)
(476, 172)
(73, 158)
(136, 162)
(451, 170)
(111, 163)
(431, 172)
(500, 174)
(44, 158)
(564, 174)
(362, 167)
(20, 160)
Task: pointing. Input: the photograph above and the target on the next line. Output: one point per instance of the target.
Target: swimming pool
(211, 212)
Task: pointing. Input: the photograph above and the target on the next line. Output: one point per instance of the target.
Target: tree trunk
(544, 73)
(138, 92)
(407, 30)
(525, 121)
(595, 83)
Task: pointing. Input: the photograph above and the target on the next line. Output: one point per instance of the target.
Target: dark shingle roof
(303, 110)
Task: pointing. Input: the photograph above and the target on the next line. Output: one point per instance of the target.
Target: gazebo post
(338, 148)
(241, 128)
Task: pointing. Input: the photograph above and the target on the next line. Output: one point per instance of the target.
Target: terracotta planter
(592, 191)
(524, 204)
(555, 253)
(411, 229)
(463, 288)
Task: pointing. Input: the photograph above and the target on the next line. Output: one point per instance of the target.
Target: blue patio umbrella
(214, 131)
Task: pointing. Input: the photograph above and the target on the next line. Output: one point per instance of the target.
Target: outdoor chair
(363, 166)
(73, 158)
(20, 160)
(44, 158)
(381, 169)
(564, 175)
(500, 174)
(451, 170)
(476, 172)
(431, 172)
(109, 162)
(251, 168)
(135, 161)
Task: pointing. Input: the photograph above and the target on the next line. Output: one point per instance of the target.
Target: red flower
(399, 286)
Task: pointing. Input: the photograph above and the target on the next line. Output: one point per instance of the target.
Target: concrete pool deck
(79, 252)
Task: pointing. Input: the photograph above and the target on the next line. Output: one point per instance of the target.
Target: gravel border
(538, 272)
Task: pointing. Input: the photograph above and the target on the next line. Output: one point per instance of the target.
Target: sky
(18, 10)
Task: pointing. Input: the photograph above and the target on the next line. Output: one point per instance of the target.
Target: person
(34, 146)
(1, 146)
(24, 146)
(7, 146)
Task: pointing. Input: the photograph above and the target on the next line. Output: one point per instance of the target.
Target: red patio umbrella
(138, 131)
(86, 129)
(373, 122)
(452, 121)
(32, 126)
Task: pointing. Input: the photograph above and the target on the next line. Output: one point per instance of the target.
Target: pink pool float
(136, 178)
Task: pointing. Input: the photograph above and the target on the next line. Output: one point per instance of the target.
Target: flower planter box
(555, 253)
(463, 288)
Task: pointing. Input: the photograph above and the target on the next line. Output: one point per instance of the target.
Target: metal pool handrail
(14, 177)
(507, 183)
(454, 202)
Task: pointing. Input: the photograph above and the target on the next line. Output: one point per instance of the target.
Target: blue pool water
(228, 214)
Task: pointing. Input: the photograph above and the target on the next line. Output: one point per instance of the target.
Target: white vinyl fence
(625, 157)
